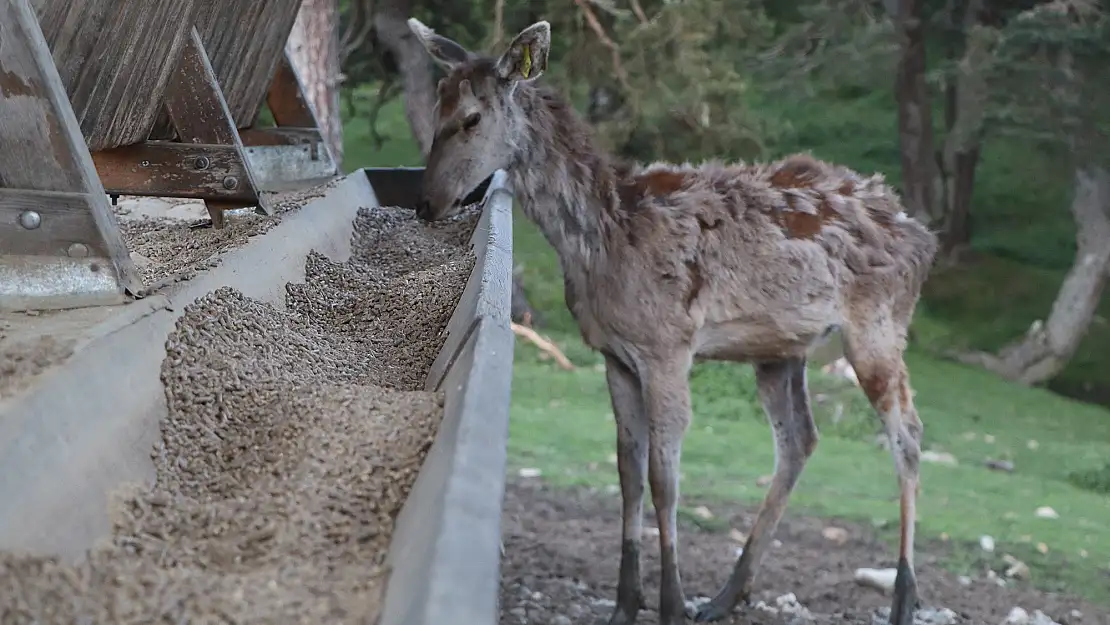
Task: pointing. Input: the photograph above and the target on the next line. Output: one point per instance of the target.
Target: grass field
(1023, 236)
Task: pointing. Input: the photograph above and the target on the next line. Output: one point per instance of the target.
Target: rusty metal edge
(445, 558)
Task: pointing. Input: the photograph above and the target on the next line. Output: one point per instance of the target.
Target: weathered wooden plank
(171, 169)
(47, 223)
(43, 150)
(115, 58)
(286, 97)
(244, 41)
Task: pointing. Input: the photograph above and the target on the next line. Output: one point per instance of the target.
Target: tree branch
(614, 49)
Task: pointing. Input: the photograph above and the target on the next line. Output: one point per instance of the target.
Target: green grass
(1023, 239)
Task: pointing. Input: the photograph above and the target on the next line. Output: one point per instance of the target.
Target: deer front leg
(782, 388)
(632, 453)
(666, 392)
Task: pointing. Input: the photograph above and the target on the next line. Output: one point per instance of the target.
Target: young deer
(669, 264)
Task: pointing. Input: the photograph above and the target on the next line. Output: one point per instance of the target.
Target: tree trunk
(392, 30)
(1047, 347)
(314, 51)
(965, 105)
(915, 129)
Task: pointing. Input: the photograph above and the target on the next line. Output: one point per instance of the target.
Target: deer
(666, 265)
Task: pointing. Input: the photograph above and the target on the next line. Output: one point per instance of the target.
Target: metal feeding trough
(88, 424)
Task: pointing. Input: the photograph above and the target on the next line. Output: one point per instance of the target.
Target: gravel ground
(292, 440)
(562, 550)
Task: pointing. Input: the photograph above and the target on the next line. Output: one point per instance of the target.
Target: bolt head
(231, 182)
(78, 250)
(202, 162)
(30, 220)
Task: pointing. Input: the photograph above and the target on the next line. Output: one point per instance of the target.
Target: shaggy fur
(668, 264)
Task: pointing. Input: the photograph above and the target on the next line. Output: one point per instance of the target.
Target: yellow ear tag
(526, 67)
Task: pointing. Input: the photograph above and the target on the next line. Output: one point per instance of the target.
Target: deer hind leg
(632, 455)
(876, 355)
(782, 388)
(666, 393)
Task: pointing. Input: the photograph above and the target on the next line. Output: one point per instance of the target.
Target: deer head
(477, 120)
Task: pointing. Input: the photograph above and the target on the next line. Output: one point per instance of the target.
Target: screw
(30, 220)
(231, 182)
(201, 162)
(144, 164)
(78, 250)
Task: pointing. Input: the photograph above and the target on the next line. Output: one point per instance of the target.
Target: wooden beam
(170, 169)
(285, 97)
(198, 112)
(49, 179)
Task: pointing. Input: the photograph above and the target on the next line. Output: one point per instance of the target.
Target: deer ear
(444, 51)
(526, 58)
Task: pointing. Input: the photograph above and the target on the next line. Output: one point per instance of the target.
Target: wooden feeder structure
(133, 97)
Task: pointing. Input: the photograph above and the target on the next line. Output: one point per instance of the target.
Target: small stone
(520, 613)
(703, 513)
(1083, 553)
(986, 543)
(611, 459)
(964, 580)
(651, 532)
(605, 603)
(776, 543)
(939, 457)
(1041, 547)
(1075, 614)
(935, 616)
(999, 465)
(559, 619)
(838, 535)
(1040, 618)
(988, 439)
(1017, 616)
(763, 480)
(530, 472)
(879, 579)
(788, 604)
(1046, 512)
(1032, 444)
(737, 535)
(692, 605)
(739, 551)
(1017, 568)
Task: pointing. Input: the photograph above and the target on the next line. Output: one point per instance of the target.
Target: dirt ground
(562, 549)
(292, 440)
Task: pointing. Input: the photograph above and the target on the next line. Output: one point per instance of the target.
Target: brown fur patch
(877, 388)
(660, 183)
(797, 172)
(848, 187)
(799, 224)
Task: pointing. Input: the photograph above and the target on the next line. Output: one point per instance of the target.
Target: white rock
(879, 579)
(605, 603)
(1017, 616)
(561, 620)
(1075, 614)
(788, 604)
(694, 604)
(739, 551)
(651, 532)
(939, 457)
(703, 513)
(838, 535)
(935, 616)
(530, 472)
(986, 543)
(1040, 618)
(1046, 512)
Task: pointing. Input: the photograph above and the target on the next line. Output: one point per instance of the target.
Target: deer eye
(471, 121)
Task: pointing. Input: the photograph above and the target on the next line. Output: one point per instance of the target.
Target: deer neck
(564, 183)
